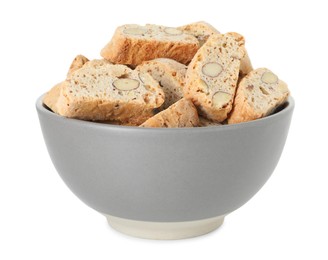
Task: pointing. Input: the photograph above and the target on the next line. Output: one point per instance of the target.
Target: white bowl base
(164, 230)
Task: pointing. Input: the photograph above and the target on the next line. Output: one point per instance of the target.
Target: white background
(41, 219)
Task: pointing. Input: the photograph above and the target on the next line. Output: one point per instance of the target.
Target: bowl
(165, 183)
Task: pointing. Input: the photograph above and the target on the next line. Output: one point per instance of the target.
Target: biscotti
(170, 74)
(109, 92)
(245, 62)
(77, 63)
(245, 66)
(204, 122)
(51, 98)
(258, 95)
(158, 76)
(132, 44)
(96, 63)
(181, 114)
(212, 76)
(201, 30)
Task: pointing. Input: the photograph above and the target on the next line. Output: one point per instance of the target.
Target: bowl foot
(164, 230)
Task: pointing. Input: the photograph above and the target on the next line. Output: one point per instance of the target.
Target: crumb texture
(258, 95)
(101, 91)
(132, 44)
(160, 76)
(181, 114)
(77, 63)
(170, 75)
(201, 30)
(212, 75)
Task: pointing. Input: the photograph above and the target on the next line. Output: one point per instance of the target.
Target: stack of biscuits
(157, 76)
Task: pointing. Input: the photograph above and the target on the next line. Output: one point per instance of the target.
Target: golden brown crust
(90, 94)
(96, 63)
(174, 66)
(181, 114)
(245, 66)
(77, 63)
(245, 62)
(99, 110)
(201, 30)
(255, 98)
(51, 97)
(134, 49)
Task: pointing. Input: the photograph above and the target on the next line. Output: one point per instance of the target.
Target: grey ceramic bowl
(165, 183)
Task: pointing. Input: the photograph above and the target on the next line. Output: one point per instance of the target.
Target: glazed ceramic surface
(165, 175)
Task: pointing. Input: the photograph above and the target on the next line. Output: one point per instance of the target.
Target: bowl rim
(276, 116)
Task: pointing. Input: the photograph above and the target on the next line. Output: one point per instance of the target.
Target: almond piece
(264, 91)
(173, 31)
(135, 31)
(126, 84)
(269, 78)
(282, 87)
(212, 69)
(204, 86)
(220, 99)
(141, 77)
